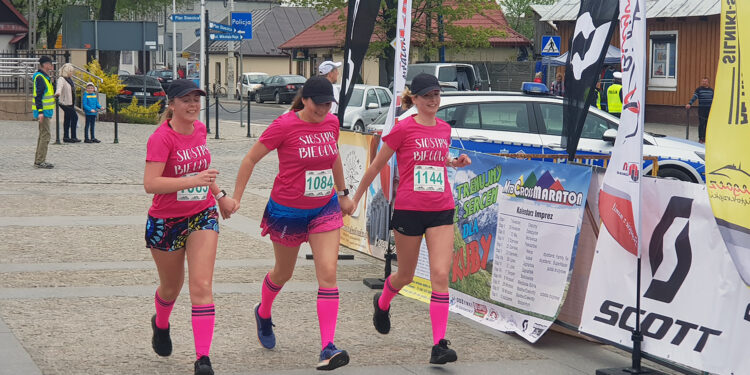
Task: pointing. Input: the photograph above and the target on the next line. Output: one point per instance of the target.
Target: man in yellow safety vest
(43, 106)
(614, 96)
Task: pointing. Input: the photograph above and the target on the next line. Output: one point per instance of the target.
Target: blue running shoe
(332, 358)
(265, 330)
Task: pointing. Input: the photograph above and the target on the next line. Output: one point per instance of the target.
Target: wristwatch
(343, 193)
(220, 195)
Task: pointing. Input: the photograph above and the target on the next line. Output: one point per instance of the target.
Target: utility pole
(174, 42)
(231, 81)
(202, 69)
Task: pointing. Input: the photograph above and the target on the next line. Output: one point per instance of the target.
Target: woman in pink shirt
(183, 218)
(303, 207)
(423, 206)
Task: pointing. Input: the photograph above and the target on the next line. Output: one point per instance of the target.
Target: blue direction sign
(220, 27)
(242, 23)
(550, 45)
(225, 36)
(185, 18)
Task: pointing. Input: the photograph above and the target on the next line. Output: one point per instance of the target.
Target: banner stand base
(341, 256)
(627, 371)
(374, 283)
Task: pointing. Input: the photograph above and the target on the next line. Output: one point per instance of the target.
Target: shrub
(138, 114)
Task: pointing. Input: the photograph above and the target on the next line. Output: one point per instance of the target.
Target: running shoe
(203, 366)
(265, 330)
(381, 318)
(44, 165)
(332, 358)
(161, 342)
(442, 354)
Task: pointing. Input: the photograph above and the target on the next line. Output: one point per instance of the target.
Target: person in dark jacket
(43, 107)
(704, 94)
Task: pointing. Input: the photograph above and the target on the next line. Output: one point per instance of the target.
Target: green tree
(424, 32)
(520, 16)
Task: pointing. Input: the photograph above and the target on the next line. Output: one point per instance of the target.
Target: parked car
(146, 89)
(462, 77)
(365, 105)
(511, 123)
(280, 89)
(249, 82)
(164, 77)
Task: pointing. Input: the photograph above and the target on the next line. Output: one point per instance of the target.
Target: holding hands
(348, 206)
(227, 206)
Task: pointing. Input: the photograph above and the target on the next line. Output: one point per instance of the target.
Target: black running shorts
(415, 223)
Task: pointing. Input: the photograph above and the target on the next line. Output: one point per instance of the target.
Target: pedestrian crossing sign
(550, 45)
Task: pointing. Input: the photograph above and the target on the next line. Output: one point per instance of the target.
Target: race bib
(197, 193)
(428, 178)
(318, 183)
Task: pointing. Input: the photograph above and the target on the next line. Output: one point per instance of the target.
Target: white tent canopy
(611, 58)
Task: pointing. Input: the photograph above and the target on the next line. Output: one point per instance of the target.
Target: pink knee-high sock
(163, 310)
(388, 293)
(268, 293)
(203, 328)
(328, 313)
(439, 315)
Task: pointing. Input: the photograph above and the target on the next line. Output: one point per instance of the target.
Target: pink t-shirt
(426, 149)
(306, 152)
(183, 155)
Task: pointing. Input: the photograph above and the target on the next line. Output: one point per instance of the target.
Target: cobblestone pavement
(77, 284)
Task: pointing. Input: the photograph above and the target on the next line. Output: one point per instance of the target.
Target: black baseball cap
(182, 87)
(319, 89)
(424, 83)
(45, 59)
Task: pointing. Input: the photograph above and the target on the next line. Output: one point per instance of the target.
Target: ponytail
(167, 114)
(297, 102)
(407, 99)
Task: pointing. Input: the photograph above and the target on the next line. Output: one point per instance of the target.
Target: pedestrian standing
(303, 207)
(66, 94)
(614, 95)
(91, 107)
(183, 219)
(423, 206)
(557, 87)
(330, 70)
(704, 94)
(43, 107)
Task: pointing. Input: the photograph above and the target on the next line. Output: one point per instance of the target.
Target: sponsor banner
(588, 45)
(620, 195)
(695, 310)
(360, 22)
(727, 159)
(354, 149)
(517, 223)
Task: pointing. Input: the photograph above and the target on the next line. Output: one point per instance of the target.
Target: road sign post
(185, 18)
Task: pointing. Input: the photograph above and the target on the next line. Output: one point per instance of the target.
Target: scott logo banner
(727, 157)
(695, 310)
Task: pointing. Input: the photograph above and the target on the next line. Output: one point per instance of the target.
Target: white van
(249, 82)
(462, 77)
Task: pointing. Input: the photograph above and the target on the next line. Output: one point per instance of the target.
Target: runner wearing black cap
(303, 207)
(183, 219)
(423, 206)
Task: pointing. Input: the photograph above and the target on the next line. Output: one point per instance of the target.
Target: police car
(530, 122)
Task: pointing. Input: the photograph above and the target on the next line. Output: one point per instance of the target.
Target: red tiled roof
(329, 31)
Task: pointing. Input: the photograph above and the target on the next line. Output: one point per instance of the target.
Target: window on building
(663, 64)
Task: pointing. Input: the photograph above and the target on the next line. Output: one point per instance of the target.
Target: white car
(510, 123)
(249, 82)
(365, 105)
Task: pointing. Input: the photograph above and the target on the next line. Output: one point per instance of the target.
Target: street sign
(550, 45)
(220, 27)
(242, 23)
(225, 36)
(185, 18)
(198, 32)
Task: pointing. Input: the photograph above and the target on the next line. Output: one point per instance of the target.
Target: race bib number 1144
(428, 178)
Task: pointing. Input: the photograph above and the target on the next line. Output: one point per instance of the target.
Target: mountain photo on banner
(727, 158)
(588, 45)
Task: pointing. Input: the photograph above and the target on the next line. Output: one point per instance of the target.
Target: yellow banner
(728, 136)
(354, 149)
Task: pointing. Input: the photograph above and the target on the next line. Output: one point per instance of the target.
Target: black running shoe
(161, 342)
(442, 354)
(203, 366)
(381, 319)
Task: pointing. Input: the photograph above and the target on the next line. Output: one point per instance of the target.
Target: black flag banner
(360, 23)
(594, 27)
